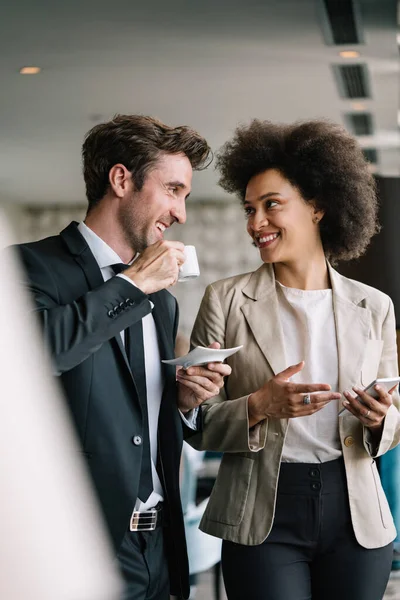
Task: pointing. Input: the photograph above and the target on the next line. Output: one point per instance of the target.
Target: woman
(298, 500)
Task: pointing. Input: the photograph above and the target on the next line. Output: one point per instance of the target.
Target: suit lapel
(261, 311)
(352, 327)
(82, 254)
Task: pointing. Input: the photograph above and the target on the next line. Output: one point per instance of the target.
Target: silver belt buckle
(143, 521)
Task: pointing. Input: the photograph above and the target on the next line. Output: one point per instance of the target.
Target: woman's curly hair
(324, 163)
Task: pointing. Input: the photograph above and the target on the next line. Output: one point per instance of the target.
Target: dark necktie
(135, 352)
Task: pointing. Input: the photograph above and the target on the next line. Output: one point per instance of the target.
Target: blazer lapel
(81, 252)
(261, 312)
(352, 328)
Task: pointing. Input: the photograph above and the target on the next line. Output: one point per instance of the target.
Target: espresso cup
(190, 268)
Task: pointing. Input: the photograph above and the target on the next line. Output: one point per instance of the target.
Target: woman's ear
(317, 215)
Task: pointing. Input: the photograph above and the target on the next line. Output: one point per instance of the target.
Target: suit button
(111, 314)
(314, 473)
(349, 441)
(315, 485)
(137, 440)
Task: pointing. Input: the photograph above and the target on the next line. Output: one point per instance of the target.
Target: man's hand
(198, 384)
(157, 268)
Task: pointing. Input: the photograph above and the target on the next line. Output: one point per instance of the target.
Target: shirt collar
(103, 253)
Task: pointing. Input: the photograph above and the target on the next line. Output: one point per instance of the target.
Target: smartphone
(386, 382)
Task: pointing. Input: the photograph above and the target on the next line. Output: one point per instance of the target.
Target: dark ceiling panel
(342, 22)
(352, 80)
(360, 123)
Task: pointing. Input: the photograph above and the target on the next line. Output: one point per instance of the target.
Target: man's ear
(120, 180)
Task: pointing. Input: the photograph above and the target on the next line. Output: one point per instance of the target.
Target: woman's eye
(248, 211)
(271, 203)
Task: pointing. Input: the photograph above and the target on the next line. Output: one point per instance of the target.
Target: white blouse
(309, 334)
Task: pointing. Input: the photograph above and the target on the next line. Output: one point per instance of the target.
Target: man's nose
(179, 212)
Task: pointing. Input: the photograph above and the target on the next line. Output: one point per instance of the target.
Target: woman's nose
(258, 222)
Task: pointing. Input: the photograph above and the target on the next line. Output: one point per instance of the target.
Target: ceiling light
(30, 70)
(349, 54)
(357, 106)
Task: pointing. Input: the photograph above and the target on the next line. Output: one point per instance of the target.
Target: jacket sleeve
(225, 422)
(388, 367)
(74, 331)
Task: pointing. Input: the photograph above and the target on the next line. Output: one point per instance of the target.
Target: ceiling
(209, 64)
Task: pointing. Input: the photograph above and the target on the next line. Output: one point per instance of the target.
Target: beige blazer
(244, 310)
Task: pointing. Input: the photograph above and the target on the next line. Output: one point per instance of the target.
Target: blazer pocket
(228, 498)
(372, 359)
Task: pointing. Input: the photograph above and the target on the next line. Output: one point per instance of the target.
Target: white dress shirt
(105, 257)
(309, 334)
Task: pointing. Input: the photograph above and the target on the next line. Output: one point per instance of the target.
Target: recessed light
(349, 54)
(358, 106)
(30, 70)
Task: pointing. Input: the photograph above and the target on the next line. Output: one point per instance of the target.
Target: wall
(380, 266)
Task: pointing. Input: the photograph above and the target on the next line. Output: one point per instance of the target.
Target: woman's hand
(280, 398)
(372, 412)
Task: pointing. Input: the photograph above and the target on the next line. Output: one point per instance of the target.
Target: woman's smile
(266, 240)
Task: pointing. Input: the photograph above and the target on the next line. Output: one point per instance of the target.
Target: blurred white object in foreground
(52, 542)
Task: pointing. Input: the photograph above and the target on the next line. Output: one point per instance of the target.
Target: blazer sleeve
(388, 367)
(74, 331)
(225, 422)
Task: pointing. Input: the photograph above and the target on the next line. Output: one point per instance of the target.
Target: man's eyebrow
(263, 197)
(178, 184)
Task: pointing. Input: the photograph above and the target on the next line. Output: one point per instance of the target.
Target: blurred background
(209, 64)
(66, 66)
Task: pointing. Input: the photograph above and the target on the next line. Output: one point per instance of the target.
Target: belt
(147, 520)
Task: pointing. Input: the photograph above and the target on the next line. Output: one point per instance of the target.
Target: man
(100, 291)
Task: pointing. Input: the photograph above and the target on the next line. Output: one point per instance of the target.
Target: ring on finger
(307, 399)
(367, 414)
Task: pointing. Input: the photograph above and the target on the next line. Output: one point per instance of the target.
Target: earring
(315, 220)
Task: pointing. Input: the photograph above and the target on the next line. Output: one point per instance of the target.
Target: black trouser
(311, 551)
(143, 565)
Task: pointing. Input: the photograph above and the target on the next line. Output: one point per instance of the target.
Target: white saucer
(202, 356)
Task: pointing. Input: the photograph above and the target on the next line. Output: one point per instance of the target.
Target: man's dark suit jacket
(82, 317)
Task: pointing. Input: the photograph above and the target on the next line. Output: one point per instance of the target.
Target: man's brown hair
(137, 142)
